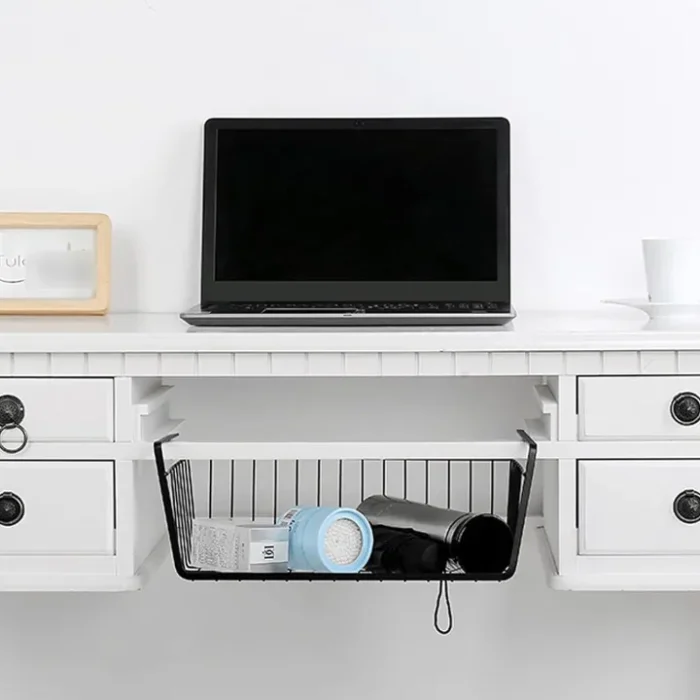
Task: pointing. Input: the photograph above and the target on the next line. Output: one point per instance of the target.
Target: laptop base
(305, 317)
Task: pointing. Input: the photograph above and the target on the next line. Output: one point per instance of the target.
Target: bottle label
(288, 518)
(268, 552)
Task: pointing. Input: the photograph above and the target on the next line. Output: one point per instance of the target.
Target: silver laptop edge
(198, 317)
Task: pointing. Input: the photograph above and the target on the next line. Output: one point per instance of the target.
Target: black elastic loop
(443, 590)
(22, 445)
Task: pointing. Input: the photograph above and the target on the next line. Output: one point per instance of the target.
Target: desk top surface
(605, 329)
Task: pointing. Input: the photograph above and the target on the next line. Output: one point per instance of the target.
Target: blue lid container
(328, 540)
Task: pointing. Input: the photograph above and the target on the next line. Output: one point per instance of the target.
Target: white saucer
(663, 310)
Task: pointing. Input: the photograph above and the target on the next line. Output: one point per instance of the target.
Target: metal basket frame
(178, 503)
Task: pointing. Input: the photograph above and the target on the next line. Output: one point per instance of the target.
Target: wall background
(101, 106)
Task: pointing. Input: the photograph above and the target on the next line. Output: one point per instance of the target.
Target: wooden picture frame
(98, 303)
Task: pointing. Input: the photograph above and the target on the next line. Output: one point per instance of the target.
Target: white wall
(101, 106)
(179, 640)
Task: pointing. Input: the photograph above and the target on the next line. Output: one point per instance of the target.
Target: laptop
(355, 222)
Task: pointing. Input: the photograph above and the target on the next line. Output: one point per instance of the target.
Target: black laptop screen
(356, 205)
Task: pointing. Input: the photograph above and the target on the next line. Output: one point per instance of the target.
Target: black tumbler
(480, 543)
(406, 552)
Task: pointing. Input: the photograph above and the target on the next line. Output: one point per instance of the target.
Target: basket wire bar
(444, 484)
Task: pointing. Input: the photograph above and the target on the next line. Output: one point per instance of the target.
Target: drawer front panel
(638, 408)
(629, 507)
(62, 410)
(54, 508)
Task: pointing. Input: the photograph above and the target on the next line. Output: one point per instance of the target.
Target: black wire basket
(261, 490)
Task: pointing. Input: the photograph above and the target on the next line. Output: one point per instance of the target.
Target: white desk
(603, 527)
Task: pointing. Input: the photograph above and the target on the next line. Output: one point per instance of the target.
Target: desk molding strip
(349, 364)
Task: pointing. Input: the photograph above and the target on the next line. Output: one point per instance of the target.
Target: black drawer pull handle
(685, 408)
(11, 509)
(686, 507)
(22, 444)
(11, 417)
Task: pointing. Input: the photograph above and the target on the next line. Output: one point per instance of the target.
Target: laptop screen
(356, 205)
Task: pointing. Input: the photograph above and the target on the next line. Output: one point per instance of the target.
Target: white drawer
(628, 507)
(635, 408)
(63, 508)
(62, 410)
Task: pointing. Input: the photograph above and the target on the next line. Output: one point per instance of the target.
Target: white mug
(672, 270)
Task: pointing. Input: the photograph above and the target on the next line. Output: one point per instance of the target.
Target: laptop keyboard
(422, 307)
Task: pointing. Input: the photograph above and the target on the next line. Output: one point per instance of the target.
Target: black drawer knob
(11, 410)
(11, 417)
(11, 509)
(687, 506)
(685, 408)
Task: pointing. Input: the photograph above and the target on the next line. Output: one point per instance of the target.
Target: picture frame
(55, 264)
